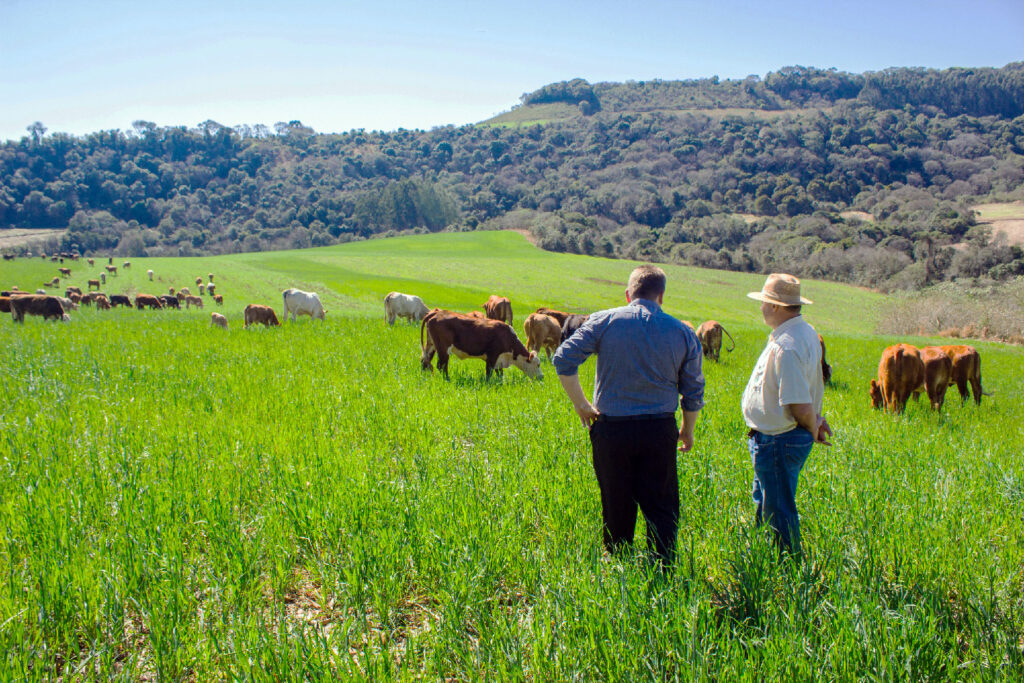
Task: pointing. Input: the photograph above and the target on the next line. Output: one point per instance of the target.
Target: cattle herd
(904, 371)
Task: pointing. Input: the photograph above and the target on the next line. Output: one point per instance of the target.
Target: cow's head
(529, 365)
(876, 394)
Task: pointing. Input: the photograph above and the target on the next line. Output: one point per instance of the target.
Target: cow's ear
(533, 354)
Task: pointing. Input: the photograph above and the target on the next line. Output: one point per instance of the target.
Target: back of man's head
(646, 282)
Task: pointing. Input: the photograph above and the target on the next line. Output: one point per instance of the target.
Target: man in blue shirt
(646, 359)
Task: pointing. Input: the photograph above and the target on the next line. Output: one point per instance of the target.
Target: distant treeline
(638, 173)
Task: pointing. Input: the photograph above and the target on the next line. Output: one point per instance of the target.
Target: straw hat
(781, 289)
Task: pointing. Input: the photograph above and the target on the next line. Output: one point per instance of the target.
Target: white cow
(298, 302)
(398, 305)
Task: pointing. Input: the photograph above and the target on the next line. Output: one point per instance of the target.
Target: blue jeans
(778, 460)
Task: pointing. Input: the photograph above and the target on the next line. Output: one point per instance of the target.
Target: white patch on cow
(462, 355)
(504, 360)
(529, 365)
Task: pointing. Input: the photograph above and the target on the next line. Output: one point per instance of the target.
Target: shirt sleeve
(793, 385)
(691, 377)
(575, 350)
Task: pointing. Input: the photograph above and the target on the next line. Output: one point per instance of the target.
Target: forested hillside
(860, 178)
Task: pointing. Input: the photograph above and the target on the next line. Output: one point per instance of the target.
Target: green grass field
(180, 502)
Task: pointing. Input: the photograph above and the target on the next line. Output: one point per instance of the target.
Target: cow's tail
(726, 333)
(387, 307)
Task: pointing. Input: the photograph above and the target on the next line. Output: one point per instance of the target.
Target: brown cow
(111, 269)
(938, 369)
(170, 290)
(90, 261)
(65, 272)
(900, 371)
(144, 300)
(826, 369)
(710, 335)
(474, 314)
(264, 315)
(75, 298)
(5, 304)
(181, 297)
(169, 301)
(52, 283)
(219, 298)
(126, 265)
(493, 341)
(199, 281)
(72, 290)
(966, 368)
(102, 303)
(560, 316)
(37, 304)
(186, 291)
(202, 289)
(218, 320)
(688, 324)
(209, 276)
(498, 308)
(542, 332)
(191, 301)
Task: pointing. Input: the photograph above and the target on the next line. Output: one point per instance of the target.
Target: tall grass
(188, 503)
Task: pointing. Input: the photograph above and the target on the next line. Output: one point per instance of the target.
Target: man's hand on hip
(588, 414)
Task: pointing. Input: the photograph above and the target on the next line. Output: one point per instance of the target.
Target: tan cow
(966, 369)
(191, 301)
(219, 298)
(542, 332)
(498, 308)
(218, 320)
(900, 371)
(262, 315)
(710, 335)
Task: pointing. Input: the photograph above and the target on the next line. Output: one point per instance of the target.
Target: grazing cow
(65, 272)
(186, 291)
(144, 300)
(170, 290)
(120, 300)
(560, 316)
(72, 290)
(46, 306)
(111, 269)
(263, 315)
(219, 298)
(169, 301)
(408, 306)
(202, 289)
(542, 332)
(52, 283)
(67, 304)
(218, 320)
(571, 324)
(199, 281)
(150, 274)
(102, 303)
(126, 265)
(495, 342)
(209, 276)
(710, 336)
(210, 289)
(90, 261)
(966, 368)
(826, 369)
(938, 369)
(181, 296)
(900, 371)
(9, 257)
(191, 301)
(5, 304)
(498, 308)
(75, 297)
(298, 303)
(103, 278)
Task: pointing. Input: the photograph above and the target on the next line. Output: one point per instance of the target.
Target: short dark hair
(794, 309)
(646, 282)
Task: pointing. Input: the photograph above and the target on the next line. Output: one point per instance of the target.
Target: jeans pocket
(796, 454)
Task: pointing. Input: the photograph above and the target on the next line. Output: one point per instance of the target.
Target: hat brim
(761, 296)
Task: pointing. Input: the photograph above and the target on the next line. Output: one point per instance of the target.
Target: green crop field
(181, 502)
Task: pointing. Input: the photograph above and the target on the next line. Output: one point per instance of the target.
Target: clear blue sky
(81, 66)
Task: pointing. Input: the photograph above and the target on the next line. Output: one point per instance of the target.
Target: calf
(938, 369)
(498, 308)
(65, 272)
(408, 306)
(209, 276)
(147, 300)
(710, 336)
(199, 281)
(170, 290)
(37, 304)
(111, 269)
(219, 298)
(900, 371)
(263, 315)
(120, 300)
(493, 341)
(90, 261)
(102, 303)
(218, 320)
(210, 289)
(126, 265)
(202, 289)
(191, 301)
(542, 332)
(103, 278)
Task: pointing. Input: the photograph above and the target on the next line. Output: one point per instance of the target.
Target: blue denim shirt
(646, 359)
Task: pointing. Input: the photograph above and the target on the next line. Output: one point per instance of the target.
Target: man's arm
(686, 431)
(691, 389)
(587, 412)
(806, 417)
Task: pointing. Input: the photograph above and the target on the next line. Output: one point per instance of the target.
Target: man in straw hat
(646, 360)
(782, 407)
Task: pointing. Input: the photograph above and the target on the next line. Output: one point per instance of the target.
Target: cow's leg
(442, 361)
(961, 386)
(976, 388)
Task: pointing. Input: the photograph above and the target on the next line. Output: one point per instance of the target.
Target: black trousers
(635, 464)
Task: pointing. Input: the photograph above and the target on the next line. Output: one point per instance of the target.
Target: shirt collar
(649, 304)
(792, 322)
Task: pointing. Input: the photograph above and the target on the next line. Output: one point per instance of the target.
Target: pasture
(181, 502)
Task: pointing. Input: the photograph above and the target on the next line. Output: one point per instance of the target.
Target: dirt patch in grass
(1005, 219)
(17, 237)
(858, 215)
